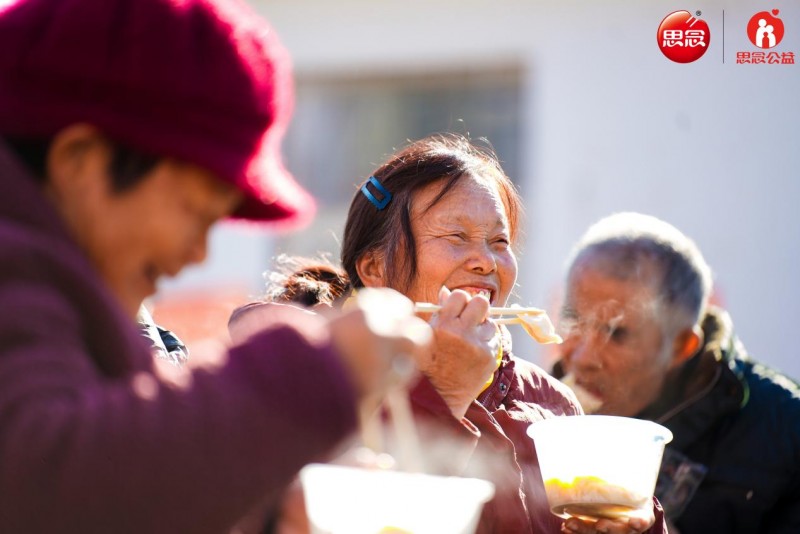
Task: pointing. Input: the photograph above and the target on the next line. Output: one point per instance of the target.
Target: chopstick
(426, 307)
(404, 443)
(409, 447)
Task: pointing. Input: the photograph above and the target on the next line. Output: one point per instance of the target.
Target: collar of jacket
(708, 386)
(496, 393)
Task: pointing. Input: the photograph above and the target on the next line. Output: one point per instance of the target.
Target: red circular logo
(765, 30)
(682, 37)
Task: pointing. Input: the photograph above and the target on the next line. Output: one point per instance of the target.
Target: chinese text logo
(682, 37)
(765, 30)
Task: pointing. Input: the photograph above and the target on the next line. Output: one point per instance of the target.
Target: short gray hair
(621, 241)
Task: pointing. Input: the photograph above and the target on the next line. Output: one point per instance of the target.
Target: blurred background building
(588, 118)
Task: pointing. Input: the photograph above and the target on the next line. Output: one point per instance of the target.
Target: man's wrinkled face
(154, 228)
(615, 345)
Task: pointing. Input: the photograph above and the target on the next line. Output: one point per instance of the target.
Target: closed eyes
(455, 237)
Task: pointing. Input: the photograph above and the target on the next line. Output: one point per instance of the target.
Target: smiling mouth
(475, 291)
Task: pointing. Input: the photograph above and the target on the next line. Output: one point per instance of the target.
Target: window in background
(344, 127)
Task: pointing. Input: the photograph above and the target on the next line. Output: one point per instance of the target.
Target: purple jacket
(93, 440)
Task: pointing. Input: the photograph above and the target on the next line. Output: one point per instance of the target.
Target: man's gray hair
(619, 243)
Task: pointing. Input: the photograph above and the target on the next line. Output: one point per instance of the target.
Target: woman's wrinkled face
(463, 242)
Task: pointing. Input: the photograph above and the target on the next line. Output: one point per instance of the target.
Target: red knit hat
(205, 81)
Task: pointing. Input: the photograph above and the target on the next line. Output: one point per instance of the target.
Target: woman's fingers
(476, 310)
(443, 294)
(452, 305)
(469, 310)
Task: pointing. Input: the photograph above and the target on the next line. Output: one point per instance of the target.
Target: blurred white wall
(238, 255)
(610, 124)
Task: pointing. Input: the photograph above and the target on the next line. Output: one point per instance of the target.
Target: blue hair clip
(387, 196)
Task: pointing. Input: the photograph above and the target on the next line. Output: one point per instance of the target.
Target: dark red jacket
(494, 434)
(93, 440)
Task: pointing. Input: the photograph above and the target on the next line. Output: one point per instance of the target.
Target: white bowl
(596, 466)
(354, 500)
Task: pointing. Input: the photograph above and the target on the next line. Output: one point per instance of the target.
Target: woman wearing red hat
(127, 129)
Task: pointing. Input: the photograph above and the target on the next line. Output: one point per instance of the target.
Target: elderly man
(127, 129)
(642, 341)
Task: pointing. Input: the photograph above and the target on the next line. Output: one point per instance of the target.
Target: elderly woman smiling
(438, 221)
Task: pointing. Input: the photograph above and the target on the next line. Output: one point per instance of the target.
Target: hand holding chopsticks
(534, 320)
(426, 307)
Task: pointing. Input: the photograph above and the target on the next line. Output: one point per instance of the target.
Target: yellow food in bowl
(592, 498)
